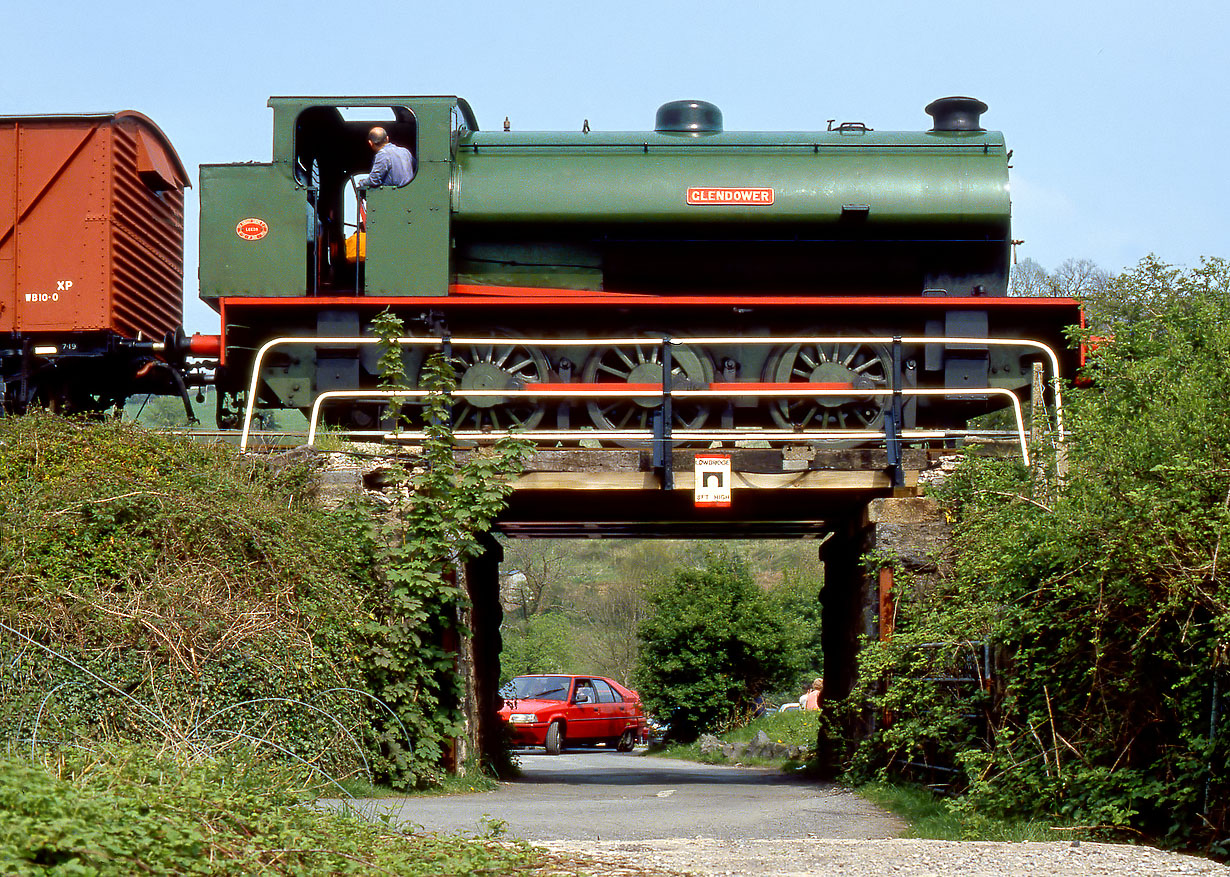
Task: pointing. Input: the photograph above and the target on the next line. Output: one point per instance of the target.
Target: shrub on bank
(129, 811)
(153, 588)
(1103, 591)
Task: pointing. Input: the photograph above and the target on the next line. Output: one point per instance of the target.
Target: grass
(359, 787)
(133, 810)
(794, 728)
(934, 818)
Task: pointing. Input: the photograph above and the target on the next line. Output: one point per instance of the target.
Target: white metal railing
(798, 391)
(676, 434)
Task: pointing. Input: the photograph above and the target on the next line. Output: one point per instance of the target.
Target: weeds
(937, 818)
(124, 810)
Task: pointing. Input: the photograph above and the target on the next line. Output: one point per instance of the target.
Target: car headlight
(522, 718)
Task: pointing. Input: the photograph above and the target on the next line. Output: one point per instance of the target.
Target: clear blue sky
(1116, 111)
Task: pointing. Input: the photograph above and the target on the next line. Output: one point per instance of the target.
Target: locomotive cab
(280, 229)
(331, 157)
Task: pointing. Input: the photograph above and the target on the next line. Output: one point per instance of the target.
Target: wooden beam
(685, 480)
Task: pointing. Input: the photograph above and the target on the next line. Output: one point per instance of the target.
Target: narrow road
(601, 795)
(633, 816)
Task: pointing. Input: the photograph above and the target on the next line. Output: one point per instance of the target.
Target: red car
(558, 711)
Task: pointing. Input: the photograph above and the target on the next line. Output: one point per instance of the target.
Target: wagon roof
(141, 119)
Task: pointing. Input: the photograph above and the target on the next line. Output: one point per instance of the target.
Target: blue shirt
(392, 166)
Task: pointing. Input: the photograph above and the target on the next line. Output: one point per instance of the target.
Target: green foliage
(796, 601)
(128, 811)
(167, 411)
(444, 507)
(1107, 594)
(711, 643)
(793, 728)
(149, 582)
(938, 818)
(156, 589)
(540, 645)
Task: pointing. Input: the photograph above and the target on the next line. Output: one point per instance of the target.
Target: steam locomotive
(789, 281)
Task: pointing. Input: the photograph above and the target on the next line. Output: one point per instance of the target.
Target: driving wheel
(854, 365)
(641, 364)
(500, 365)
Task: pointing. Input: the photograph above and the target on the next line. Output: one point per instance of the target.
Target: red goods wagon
(91, 249)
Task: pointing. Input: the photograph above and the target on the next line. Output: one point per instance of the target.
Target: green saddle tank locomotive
(732, 268)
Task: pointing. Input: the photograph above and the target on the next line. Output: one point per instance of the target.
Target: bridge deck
(776, 493)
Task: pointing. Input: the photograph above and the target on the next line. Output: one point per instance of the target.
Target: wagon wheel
(851, 364)
(642, 364)
(500, 365)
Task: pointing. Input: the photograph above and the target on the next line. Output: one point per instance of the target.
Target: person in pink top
(815, 695)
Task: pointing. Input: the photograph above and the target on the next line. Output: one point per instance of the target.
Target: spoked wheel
(642, 364)
(846, 364)
(500, 365)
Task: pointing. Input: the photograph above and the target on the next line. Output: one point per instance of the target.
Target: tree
(535, 573)
(796, 600)
(1028, 278)
(1075, 278)
(1079, 278)
(710, 644)
(609, 620)
(542, 644)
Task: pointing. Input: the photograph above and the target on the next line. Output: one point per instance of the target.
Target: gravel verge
(898, 857)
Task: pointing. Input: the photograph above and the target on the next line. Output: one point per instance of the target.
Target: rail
(663, 434)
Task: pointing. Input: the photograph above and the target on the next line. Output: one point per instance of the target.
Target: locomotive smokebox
(956, 114)
(688, 117)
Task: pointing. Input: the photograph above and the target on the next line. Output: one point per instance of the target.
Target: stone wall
(907, 533)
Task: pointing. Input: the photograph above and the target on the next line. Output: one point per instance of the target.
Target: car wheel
(555, 738)
(627, 741)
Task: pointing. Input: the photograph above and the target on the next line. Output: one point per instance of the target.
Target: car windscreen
(541, 687)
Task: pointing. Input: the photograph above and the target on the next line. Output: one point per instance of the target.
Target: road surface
(634, 816)
(601, 795)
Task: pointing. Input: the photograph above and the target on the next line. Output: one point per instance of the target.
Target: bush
(129, 811)
(1106, 593)
(711, 643)
(157, 589)
(150, 586)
